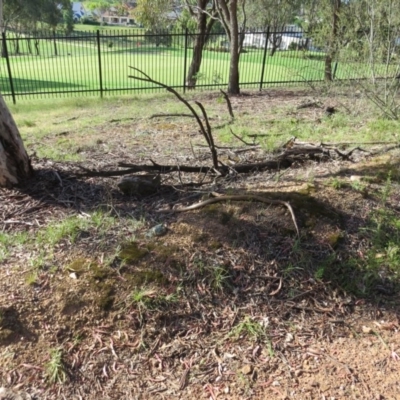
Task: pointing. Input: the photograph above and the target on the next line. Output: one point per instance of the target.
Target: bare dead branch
(362, 143)
(170, 115)
(310, 104)
(239, 138)
(180, 98)
(209, 133)
(228, 103)
(121, 119)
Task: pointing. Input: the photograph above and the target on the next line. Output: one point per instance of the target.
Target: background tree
(228, 12)
(68, 17)
(153, 14)
(376, 46)
(330, 24)
(275, 14)
(201, 17)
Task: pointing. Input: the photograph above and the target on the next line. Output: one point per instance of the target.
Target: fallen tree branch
(121, 119)
(310, 104)
(361, 143)
(165, 169)
(246, 197)
(385, 149)
(170, 115)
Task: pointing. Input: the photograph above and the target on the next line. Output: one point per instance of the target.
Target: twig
(191, 147)
(171, 115)
(256, 135)
(239, 138)
(309, 105)
(228, 103)
(121, 119)
(209, 134)
(363, 143)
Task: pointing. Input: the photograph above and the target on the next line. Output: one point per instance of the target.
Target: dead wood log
(165, 169)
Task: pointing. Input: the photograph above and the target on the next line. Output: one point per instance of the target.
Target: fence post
(99, 59)
(55, 43)
(334, 70)
(185, 60)
(5, 51)
(264, 58)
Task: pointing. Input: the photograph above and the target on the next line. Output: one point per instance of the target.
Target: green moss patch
(81, 265)
(147, 276)
(131, 252)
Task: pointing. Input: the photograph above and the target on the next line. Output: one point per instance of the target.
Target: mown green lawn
(76, 66)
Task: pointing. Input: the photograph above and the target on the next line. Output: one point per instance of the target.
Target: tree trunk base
(15, 165)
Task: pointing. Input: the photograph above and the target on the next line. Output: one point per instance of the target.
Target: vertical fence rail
(96, 62)
(99, 62)
(334, 70)
(5, 50)
(185, 60)
(264, 59)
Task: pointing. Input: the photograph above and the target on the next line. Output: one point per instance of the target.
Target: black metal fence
(43, 64)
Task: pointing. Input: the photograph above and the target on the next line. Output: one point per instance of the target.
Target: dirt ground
(228, 303)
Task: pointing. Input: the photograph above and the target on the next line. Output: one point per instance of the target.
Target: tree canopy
(28, 13)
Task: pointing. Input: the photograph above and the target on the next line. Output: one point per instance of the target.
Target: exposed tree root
(245, 197)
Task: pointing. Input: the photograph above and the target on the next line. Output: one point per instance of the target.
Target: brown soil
(228, 304)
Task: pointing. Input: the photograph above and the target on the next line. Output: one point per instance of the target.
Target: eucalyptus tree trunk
(228, 12)
(204, 25)
(331, 53)
(15, 165)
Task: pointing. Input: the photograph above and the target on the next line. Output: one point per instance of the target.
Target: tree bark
(233, 86)
(15, 165)
(331, 53)
(203, 28)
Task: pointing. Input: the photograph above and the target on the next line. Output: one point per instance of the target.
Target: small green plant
(358, 186)
(11, 240)
(336, 183)
(55, 368)
(248, 327)
(39, 261)
(220, 277)
(387, 188)
(319, 273)
(150, 298)
(270, 349)
(290, 269)
(31, 278)
(66, 229)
